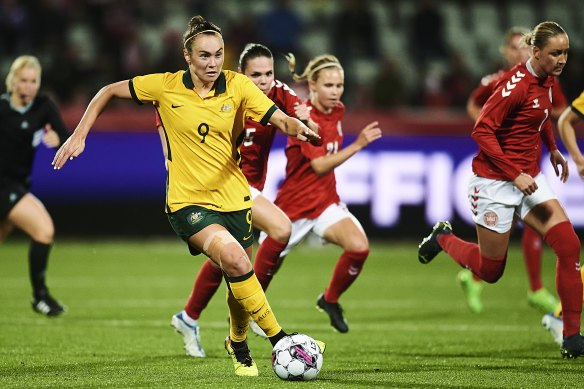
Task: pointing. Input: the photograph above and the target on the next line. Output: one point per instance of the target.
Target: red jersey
(511, 124)
(258, 138)
(485, 89)
(304, 194)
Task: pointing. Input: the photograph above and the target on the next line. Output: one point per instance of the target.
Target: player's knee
(234, 260)
(44, 234)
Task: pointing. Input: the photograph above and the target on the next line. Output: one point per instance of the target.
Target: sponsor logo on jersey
(511, 84)
(194, 217)
(535, 103)
(491, 219)
(12, 197)
(24, 125)
(177, 106)
(226, 108)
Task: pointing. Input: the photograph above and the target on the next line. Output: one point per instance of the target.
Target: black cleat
(335, 312)
(429, 247)
(572, 346)
(46, 305)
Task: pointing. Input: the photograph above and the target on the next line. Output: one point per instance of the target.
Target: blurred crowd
(396, 53)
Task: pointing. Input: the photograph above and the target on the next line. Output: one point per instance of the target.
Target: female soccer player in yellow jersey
(208, 200)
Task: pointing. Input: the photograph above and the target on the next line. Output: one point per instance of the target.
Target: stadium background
(409, 64)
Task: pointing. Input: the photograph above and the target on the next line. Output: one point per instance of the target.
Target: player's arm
(568, 135)
(473, 109)
(293, 127)
(302, 112)
(326, 163)
(75, 145)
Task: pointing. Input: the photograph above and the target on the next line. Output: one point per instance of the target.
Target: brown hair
(198, 25)
(314, 66)
(24, 61)
(539, 36)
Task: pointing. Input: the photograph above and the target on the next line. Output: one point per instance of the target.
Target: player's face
(261, 71)
(552, 58)
(26, 85)
(206, 59)
(328, 88)
(515, 52)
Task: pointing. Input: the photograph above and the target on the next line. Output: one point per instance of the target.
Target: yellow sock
(558, 311)
(238, 319)
(248, 292)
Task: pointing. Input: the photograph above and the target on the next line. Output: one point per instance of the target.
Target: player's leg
(30, 215)
(550, 219)
(186, 322)
(337, 225)
(537, 296)
(270, 219)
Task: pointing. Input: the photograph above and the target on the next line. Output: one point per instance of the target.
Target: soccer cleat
(190, 334)
(256, 329)
(472, 290)
(243, 363)
(46, 305)
(555, 326)
(572, 346)
(335, 312)
(542, 300)
(429, 247)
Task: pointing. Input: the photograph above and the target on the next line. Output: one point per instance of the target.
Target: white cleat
(555, 326)
(190, 335)
(256, 329)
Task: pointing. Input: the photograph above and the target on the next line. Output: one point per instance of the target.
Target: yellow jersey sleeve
(148, 88)
(258, 107)
(578, 105)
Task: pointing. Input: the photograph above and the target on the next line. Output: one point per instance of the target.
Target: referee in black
(27, 120)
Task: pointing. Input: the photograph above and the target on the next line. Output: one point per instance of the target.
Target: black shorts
(193, 218)
(10, 193)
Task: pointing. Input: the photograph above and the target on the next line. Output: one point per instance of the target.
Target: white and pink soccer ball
(297, 357)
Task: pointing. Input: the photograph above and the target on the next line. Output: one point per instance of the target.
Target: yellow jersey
(203, 135)
(578, 105)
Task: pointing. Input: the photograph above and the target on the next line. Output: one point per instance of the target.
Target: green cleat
(542, 300)
(472, 290)
(429, 247)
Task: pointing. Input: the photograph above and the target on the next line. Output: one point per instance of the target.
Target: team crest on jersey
(535, 103)
(491, 219)
(512, 83)
(194, 218)
(226, 108)
(24, 125)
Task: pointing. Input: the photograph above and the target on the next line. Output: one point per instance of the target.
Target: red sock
(346, 271)
(565, 243)
(531, 244)
(467, 255)
(206, 284)
(267, 260)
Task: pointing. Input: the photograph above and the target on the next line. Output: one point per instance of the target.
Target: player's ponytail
(539, 36)
(198, 25)
(311, 71)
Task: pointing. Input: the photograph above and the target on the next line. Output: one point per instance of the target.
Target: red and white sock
(206, 284)
(267, 260)
(346, 271)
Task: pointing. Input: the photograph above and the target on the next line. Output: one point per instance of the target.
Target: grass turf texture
(409, 325)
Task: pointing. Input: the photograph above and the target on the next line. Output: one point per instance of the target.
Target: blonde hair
(22, 62)
(539, 36)
(314, 66)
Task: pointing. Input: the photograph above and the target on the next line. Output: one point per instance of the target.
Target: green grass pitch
(409, 325)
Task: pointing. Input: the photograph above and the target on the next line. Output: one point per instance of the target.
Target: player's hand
(307, 135)
(368, 134)
(302, 111)
(525, 183)
(69, 150)
(50, 137)
(557, 159)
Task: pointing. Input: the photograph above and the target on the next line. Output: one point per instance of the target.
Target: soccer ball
(296, 357)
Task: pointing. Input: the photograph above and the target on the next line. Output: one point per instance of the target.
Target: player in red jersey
(308, 194)
(507, 180)
(514, 52)
(256, 62)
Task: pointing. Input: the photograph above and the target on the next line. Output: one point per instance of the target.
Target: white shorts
(302, 227)
(254, 192)
(494, 202)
